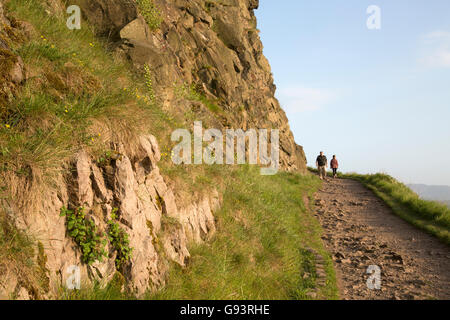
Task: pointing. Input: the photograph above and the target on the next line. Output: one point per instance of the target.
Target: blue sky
(378, 99)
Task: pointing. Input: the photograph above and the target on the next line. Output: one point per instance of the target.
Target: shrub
(191, 92)
(85, 234)
(119, 241)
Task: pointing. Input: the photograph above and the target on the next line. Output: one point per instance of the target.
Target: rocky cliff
(209, 51)
(159, 231)
(213, 45)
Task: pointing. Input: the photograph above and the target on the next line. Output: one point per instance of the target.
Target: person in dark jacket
(334, 164)
(322, 164)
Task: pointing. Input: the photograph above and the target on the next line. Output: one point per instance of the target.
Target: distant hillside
(438, 193)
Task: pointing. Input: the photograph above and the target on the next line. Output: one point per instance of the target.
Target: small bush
(149, 85)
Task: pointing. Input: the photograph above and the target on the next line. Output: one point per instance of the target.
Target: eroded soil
(360, 230)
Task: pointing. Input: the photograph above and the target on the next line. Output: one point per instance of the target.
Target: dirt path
(360, 230)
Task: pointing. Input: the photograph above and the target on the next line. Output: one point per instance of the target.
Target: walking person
(322, 165)
(334, 164)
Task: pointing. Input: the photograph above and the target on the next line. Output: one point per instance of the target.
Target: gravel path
(361, 231)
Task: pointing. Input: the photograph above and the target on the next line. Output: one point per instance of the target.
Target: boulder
(137, 30)
(108, 16)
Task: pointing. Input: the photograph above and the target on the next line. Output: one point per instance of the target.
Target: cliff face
(205, 58)
(159, 231)
(212, 45)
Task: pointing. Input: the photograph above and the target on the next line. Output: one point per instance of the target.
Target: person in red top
(334, 165)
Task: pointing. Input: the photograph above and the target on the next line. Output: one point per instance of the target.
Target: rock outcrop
(148, 213)
(213, 46)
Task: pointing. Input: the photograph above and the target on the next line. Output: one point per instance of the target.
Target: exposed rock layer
(148, 213)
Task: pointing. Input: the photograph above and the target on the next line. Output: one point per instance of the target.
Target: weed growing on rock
(85, 234)
(119, 240)
(150, 13)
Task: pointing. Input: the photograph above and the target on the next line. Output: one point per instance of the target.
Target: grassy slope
(430, 216)
(76, 84)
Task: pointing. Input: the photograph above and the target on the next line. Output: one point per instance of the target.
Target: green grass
(74, 84)
(430, 216)
(259, 250)
(114, 290)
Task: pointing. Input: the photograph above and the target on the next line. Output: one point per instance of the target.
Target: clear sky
(378, 99)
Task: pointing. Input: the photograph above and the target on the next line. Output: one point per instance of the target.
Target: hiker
(334, 164)
(322, 165)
